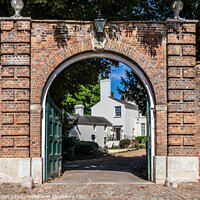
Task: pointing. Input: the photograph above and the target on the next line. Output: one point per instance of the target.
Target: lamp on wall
(177, 7)
(17, 5)
(100, 23)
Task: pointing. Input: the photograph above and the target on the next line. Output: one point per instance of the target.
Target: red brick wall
(15, 88)
(181, 89)
(165, 51)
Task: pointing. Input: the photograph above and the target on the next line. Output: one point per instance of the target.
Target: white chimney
(79, 109)
(105, 88)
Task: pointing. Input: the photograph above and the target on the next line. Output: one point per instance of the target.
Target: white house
(111, 120)
(127, 123)
(89, 128)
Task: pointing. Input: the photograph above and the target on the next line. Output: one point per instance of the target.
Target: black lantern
(100, 23)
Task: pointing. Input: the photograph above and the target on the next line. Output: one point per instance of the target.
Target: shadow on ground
(115, 168)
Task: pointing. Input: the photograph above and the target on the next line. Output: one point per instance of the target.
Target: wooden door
(53, 159)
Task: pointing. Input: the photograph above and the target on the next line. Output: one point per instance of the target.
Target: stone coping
(90, 22)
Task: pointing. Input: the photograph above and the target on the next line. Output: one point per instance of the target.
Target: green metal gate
(53, 154)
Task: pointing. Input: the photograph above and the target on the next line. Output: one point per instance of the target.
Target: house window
(93, 137)
(117, 111)
(105, 140)
(105, 128)
(94, 127)
(143, 129)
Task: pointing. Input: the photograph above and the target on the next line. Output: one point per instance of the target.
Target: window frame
(143, 129)
(116, 115)
(93, 137)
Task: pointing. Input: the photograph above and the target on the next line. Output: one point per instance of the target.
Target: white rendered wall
(87, 131)
(106, 108)
(138, 121)
(130, 122)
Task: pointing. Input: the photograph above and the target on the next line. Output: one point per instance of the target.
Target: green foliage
(142, 146)
(140, 142)
(77, 9)
(88, 96)
(124, 143)
(153, 10)
(141, 139)
(80, 83)
(68, 154)
(71, 146)
(135, 144)
(112, 10)
(69, 142)
(134, 90)
(86, 147)
(114, 147)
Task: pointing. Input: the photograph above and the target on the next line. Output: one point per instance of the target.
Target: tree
(153, 10)
(74, 9)
(134, 90)
(88, 96)
(111, 9)
(82, 74)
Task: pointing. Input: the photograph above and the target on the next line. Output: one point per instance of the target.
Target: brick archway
(109, 55)
(63, 54)
(165, 52)
(39, 80)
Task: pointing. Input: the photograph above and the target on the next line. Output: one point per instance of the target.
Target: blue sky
(115, 76)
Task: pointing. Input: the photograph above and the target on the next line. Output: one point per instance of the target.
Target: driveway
(120, 168)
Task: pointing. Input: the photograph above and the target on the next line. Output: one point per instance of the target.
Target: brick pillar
(15, 87)
(161, 130)
(35, 130)
(181, 40)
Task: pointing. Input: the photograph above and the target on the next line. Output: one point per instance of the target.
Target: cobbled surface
(101, 191)
(110, 168)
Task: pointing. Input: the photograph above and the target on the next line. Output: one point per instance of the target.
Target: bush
(114, 147)
(69, 142)
(68, 154)
(142, 146)
(141, 139)
(86, 147)
(72, 146)
(124, 143)
(135, 144)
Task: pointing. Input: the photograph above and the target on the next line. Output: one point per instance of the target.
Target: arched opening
(108, 55)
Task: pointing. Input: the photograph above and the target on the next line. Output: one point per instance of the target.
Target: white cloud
(117, 73)
(118, 76)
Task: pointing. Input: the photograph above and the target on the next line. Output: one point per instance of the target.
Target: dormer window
(118, 111)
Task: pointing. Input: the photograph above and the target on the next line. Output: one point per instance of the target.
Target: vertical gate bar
(46, 139)
(148, 142)
(47, 142)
